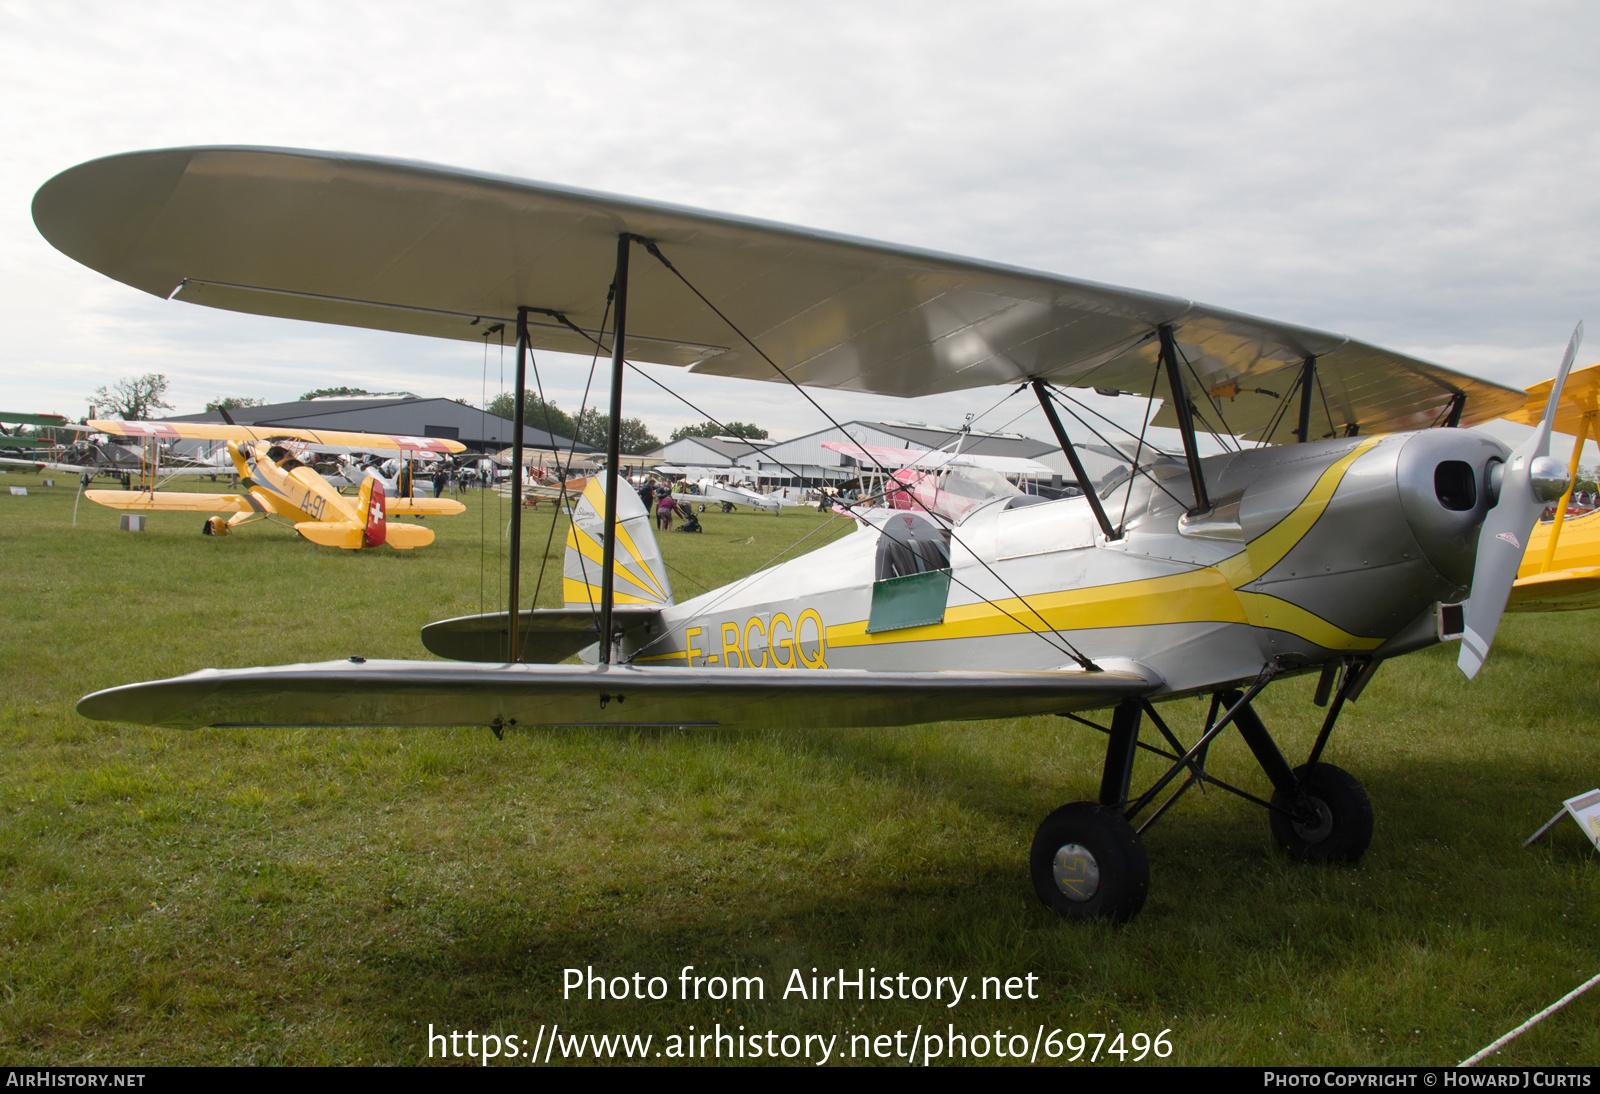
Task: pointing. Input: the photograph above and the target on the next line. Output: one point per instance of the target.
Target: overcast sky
(1425, 176)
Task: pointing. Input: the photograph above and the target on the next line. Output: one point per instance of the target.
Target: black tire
(1108, 875)
(1343, 828)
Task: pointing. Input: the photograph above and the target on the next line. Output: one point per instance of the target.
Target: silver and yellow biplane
(1340, 529)
(279, 485)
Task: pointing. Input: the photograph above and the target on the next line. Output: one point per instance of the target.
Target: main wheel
(1335, 822)
(1088, 863)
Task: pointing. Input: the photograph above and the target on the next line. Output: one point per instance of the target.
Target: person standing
(664, 510)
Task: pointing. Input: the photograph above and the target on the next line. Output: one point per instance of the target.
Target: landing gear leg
(1087, 862)
(1331, 820)
(1320, 813)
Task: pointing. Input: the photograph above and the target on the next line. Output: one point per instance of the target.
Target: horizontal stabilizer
(344, 533)
(544, 636)
(425, 507)
(433, 693)
(403, 537)
(171, 500)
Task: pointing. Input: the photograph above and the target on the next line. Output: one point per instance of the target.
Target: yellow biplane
(1560, 570)
(277, 484)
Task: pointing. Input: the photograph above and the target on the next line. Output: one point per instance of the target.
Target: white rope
(1531, 1022)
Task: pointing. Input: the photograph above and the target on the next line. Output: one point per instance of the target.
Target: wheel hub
(1315, 823)
(1076, 871)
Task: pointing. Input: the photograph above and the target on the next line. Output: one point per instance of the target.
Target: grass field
(295, 896)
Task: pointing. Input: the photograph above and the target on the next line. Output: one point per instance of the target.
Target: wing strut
(1308, 377)
(1084, 482)
(516, 481)
(1584, 425)
(1180, 404)
(608, 557)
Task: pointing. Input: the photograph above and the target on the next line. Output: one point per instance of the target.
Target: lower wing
(166, 499)
(432, 693)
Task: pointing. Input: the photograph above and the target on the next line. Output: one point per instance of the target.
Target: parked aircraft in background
(279, 486)
(951, 484)
(1560, 570)
(32, 443)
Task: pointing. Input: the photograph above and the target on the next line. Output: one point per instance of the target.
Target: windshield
(1110, 466)
(978, 482)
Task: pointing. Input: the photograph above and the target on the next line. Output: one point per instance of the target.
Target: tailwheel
(1088, 863)
(1329, 821)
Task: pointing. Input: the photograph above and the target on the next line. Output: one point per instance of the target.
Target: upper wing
(411, 247)
(432, 693)
(171, 499)
(1579, 396)
(217, 431)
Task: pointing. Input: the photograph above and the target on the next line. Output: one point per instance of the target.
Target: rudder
(641, 575)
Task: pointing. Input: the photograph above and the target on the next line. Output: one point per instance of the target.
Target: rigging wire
(881, 531)
(1057, 395)
(577, 423)
(1139, 449)
(499, 502)
(1276, 418)
(734, 587)
(483, 430)
(1069, 649)
(550, 436)
(1333, 430)
(1215, 403)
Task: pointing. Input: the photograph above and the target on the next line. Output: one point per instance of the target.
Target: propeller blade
(1529, 481)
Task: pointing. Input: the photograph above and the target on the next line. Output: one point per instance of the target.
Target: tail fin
(641, 575)
(371, 513)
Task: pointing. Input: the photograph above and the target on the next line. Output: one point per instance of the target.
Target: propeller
(1521, 487)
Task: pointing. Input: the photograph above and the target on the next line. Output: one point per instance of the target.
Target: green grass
(295, 896)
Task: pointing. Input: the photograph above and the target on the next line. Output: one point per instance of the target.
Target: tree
(233, 402)
(133, 398)
(746, 430)
(535, 413)
(332, 392)
(635, 438)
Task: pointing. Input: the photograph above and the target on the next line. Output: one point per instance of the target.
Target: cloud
(1415, 175)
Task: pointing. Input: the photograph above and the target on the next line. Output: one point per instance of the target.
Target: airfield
(322, 896)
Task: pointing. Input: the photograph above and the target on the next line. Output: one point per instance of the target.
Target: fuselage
(281, 484)
(1308, 552)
